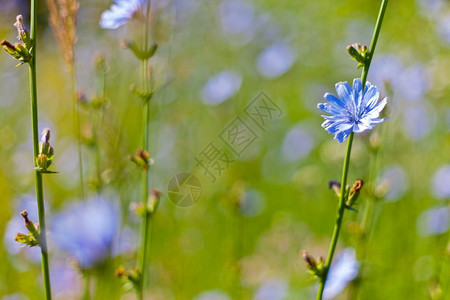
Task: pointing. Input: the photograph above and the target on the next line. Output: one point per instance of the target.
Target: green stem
(373, 43)
(76, 125)
(38, 174)
(339, 217)
(145, 177)
(341, 207)
(87, 283)
(367, 222)
(145, 226)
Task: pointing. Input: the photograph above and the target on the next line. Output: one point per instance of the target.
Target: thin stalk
(145, 226)
(76, 124)
(341, 207)
(339, 217)
(373, 43)
(367, 223)
(145, 177)
(38, 174)
(87, 283)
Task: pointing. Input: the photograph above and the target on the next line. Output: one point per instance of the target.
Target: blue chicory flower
(87, 231)
(353, 111)
(120, 13)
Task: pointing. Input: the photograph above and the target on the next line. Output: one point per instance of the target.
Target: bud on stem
(20, 51)
(45, 156)
(316, 268)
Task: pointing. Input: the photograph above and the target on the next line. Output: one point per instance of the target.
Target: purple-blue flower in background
(120, 13)
(87, 231)
(341, 272)
(352, 110)
(434, 221)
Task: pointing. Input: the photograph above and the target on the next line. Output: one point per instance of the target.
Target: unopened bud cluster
(22, 50)
(350, 194)
(316, 268)
(152, 204)
(142, 159)
(132, 276)
(358, 53)
(45, 156)
(32, 237)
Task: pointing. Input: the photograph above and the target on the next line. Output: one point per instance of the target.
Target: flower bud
(153, 201)
(24, 35)
(42, 162)
(354, 193)
(10, 49)
(315, 268)
(26, 239)
(309, 260)
(45, 135)
(335, 186)
(32, 238)
(142, 159)
(20, 51)
(45, 156)
(132, 276)
(13, 50)
(34, 230)
(358, 53)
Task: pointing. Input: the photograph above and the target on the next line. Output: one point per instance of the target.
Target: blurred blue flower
(385, 69)
(393, 183)
(87, 231)
(238, 20)
(253, 203)
(66, 280)
(120, 13)
(15, 296)
(272, 289)
(413, 83)
(444, 28)
(297, 144)
(418, 121)
(341, 272)
(441, 179)
(431, 7)
(212, 295)
(433, 221)
(447, 118)
(220, 87)
(275, 60)
(353, 110)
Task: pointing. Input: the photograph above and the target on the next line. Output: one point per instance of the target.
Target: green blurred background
(214, 58)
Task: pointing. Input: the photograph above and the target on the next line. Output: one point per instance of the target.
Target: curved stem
(339, 217)
(38, 174)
